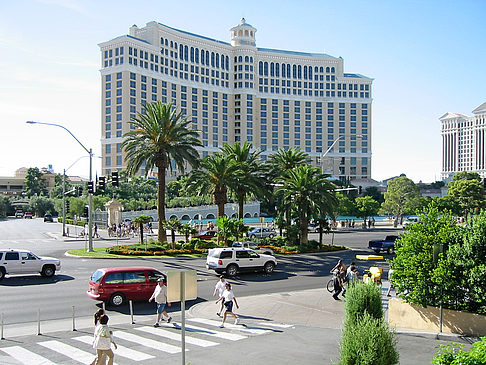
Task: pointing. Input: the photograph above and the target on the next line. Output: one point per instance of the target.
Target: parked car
(388, 244)
(116, 285)
(253, 246)
(48, 218)
(235, 259)
(14, 261)
(262, 233)
(206, 235)
(19, 214)
(28, 215)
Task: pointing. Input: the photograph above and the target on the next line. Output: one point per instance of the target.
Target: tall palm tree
(309, 193)
(252, 172)
(215, 177)
(161, 135)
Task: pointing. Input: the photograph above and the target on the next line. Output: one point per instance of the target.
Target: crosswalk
(141, 344)
(27, 241)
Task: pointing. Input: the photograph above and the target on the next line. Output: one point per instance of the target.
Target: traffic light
(90, 187)
(79, 190)
(114, 178)
(67, 205)
(360, 190)
(86, 210)
(102, 183)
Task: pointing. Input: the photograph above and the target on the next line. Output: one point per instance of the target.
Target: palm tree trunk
(141, 232)
(161, 236)
(241, 202)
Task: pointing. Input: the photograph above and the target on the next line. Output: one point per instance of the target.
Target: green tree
(374, 193)
(309, 193)
(160, 136)
(5, 206)
(41, 205)
(366, 206)
(216, 176)
(173, 225)
(34, 183)
(187, 229)
(251, 176)
(447, 203)
(402, 196)
(141, 220)
(228, 228)
(344, 205)
(466, 187)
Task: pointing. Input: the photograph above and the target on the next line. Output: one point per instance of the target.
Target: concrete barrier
(411, 316)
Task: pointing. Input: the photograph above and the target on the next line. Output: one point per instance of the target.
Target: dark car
(206, 235)
(48, 218)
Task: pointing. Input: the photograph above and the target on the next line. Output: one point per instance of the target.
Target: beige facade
(238, 92)
(463, 142)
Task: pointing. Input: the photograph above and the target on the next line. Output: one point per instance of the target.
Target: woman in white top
(228, 298)
(103, 339)
(218, 290)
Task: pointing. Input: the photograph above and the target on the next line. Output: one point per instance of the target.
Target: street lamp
(331, 147)
(64, 195)
(90, 195)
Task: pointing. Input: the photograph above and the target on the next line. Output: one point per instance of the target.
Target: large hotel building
(464, 142)
(238, 92)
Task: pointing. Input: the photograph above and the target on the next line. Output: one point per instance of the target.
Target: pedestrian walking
(228, 298)
(160, 296)
(339, 274)
(95, 231)
(218, 290)
(103, 339)
(390, 273)
(97, 317)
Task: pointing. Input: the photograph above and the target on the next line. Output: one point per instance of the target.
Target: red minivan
(116, 285)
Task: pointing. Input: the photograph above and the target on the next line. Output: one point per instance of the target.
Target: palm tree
(187, 229)
(251, 177)
(309, 193)
(141, 220)
(161, 135)
(216, 175)
(173, 225)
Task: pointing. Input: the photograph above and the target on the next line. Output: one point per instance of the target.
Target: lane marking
(176, 336)
(120, 351)
(209, 332)
(69, 351)
(25, 356)
(238, 327)
(139, 340)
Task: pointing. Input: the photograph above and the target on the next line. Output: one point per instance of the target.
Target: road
(22, 296)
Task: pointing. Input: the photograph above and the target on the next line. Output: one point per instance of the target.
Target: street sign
(174, 285)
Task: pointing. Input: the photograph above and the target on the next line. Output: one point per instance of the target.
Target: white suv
(25, 262)
(234, 259)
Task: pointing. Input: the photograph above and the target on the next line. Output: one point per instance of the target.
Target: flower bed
(134, 250)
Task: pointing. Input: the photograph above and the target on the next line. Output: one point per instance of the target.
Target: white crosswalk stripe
(25, 356)
(238, 327)
(177, 336)
(165, 339)
(120, 351)
(69, 351)
(156, 345)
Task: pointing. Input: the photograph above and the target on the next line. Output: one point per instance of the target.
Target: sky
(426, 58)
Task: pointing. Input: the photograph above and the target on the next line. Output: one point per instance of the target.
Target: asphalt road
(22, 296)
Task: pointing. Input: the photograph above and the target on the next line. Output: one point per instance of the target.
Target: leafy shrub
(363, 298)
(368, 341)
(205, 244)
(188, 246)
(454, 354)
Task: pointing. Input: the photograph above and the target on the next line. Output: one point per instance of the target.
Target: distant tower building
(236, 92)
(463, 142)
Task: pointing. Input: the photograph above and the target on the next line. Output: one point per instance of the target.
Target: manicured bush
(363, 298)
(454, 354)
(205, 244)
(368, 341)
(188, 246)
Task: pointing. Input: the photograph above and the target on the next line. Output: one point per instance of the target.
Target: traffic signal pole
(90, 204)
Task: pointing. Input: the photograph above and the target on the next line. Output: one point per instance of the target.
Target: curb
(442, 336)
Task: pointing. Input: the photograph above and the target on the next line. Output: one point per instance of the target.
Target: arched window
(175, 45)
(277, 69)
(247, 215)
(166, 42)
(207, 58)
(260, 68)
(161, 41)
(197, 55)
(333, 70)
(222, 62)
(186, 53)
(305, 72)
(251, 33)
(227, 63)
(185, 217)
(181, 52)
(236, 59)
(240, 32)
(328, 69)
(316, 69)
(272, 69)
(283, 70)
(246, 33)
(299, 71)
(251, 59)
(321, 69)
(247, 59)
(192, 54)
(202, 56)
(288, 71)
(212, 59)
(294, 71)
(171, 44)
(217, 60)
(310, 72)
(173, 216)
(240, 59)
(265, 68)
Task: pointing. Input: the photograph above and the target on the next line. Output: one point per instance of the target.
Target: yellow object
(376, 272)
(369, 257)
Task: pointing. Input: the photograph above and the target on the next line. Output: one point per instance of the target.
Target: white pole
(74, 321)
(38, 323)
(183, 317)
(2, 338)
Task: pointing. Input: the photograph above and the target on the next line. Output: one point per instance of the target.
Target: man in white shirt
(218, 290)
(160, 296)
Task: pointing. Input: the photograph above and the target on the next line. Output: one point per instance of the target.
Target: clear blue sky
(426, 57)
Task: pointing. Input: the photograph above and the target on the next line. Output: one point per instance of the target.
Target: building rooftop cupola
(243, 34)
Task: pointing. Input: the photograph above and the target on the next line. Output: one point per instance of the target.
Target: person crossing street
(160, 296)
